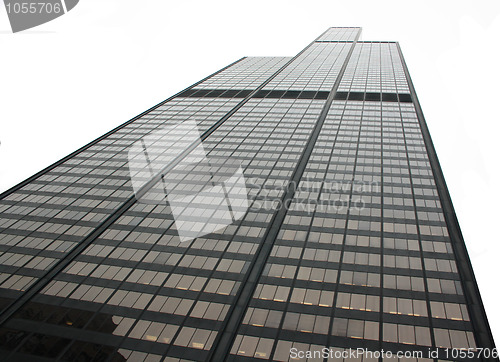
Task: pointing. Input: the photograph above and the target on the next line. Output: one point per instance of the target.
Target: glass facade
(347, 239)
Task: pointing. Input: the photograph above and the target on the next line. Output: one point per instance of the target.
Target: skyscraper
(279, 209)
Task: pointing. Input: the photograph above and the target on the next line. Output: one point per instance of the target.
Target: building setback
(347, 238)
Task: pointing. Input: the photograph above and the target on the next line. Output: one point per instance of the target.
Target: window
(306, 323)
(322, 298)
(449, 311)
(368, 303)
(262, 317)
(405, 306)
(195, 338)
(400, 333)
(272, 292)
(354, 328)
(252, 346)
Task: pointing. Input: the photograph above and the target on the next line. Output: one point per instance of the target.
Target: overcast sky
(69, 81)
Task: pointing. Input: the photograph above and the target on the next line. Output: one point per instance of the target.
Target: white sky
(69, 81)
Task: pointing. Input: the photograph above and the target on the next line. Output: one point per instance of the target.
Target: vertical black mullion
(416, 220)
(225, 338)
(382, 270)
(341, 263)
(304, 244)
(426, 288)
(479, 320)
(333, 311)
